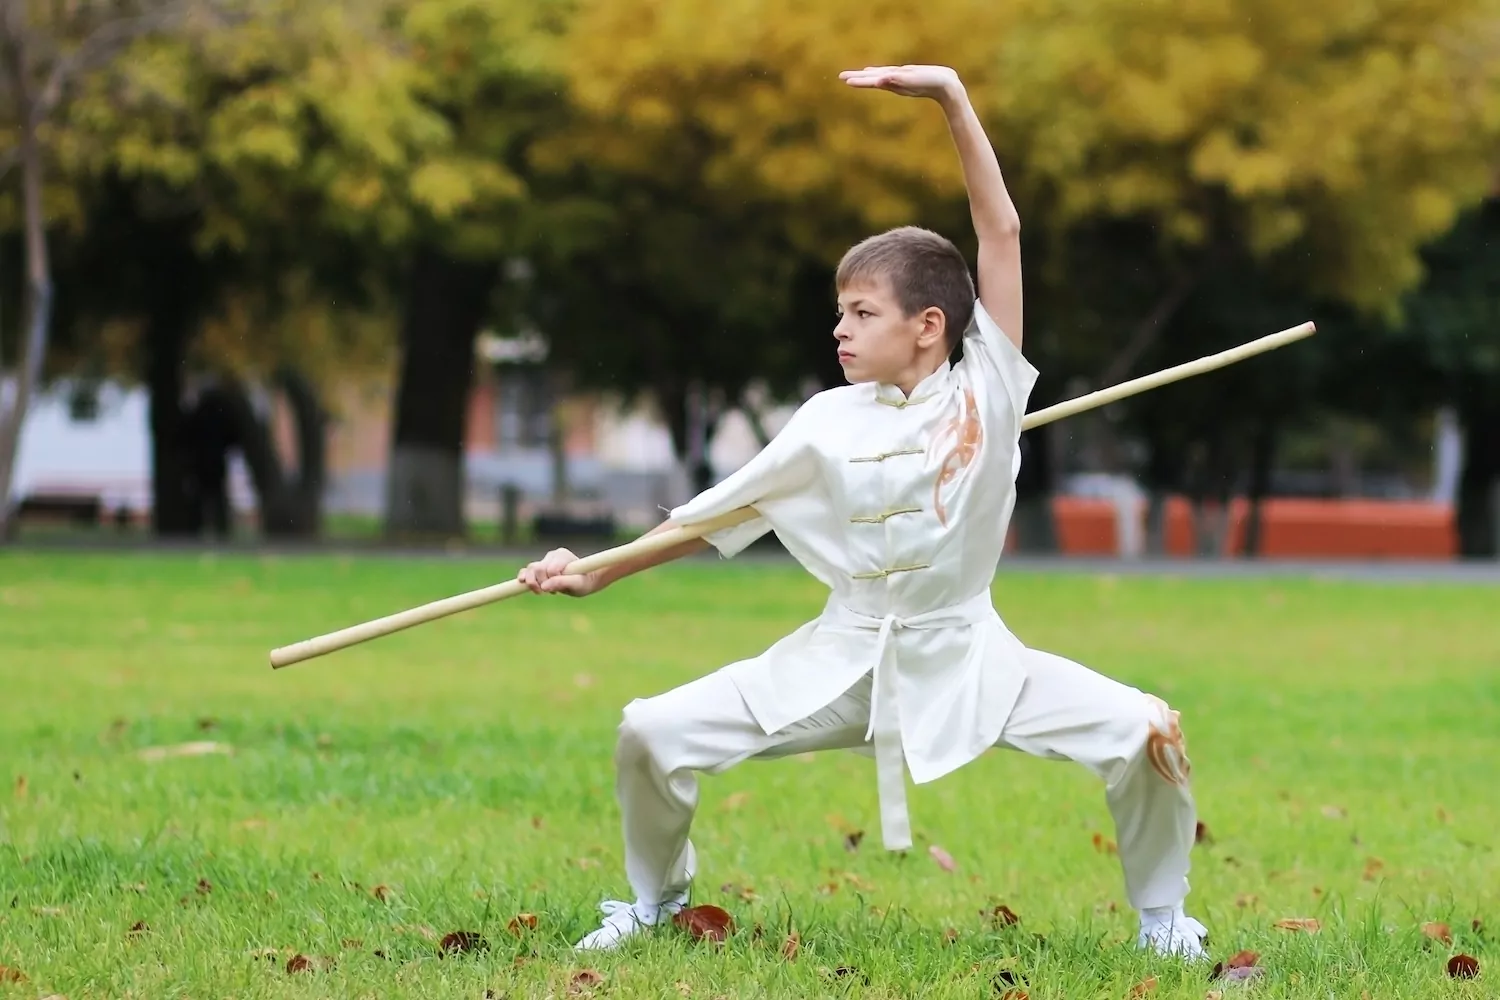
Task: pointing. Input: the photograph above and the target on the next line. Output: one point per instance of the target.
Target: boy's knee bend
(1162, 742)
(642, 732)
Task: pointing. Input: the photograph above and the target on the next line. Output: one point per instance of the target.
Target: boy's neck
(908, 380)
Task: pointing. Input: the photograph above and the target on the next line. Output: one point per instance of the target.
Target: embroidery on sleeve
(968, 435)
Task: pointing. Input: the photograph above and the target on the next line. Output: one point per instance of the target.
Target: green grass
(466, 766)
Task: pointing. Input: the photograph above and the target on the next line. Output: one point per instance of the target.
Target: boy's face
(877, 342)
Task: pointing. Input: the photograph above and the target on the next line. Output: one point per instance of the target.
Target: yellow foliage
(1350, 131)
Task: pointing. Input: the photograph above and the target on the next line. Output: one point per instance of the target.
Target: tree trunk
(691, 425)
(1476, 511)
(38, 319)
(1262, 461)
(446, 302)
(176, 499)
(290, 500)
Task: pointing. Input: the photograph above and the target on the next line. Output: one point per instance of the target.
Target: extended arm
(995, 220)
(548, 575)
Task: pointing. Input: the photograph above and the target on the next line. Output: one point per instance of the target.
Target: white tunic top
(901, 506)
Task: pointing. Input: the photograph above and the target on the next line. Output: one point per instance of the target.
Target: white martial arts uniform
(901, 506)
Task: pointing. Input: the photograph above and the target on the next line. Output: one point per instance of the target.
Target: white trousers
(1129, 739)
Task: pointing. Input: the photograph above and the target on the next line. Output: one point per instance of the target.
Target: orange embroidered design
(1166, 748)
(968, 435)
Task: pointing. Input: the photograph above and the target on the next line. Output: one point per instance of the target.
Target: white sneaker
(1167, 930)
(623, 920)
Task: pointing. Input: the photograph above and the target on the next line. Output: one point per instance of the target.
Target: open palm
(908, 81)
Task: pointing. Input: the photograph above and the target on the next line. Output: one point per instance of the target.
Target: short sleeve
(783, 467)
(990, 355)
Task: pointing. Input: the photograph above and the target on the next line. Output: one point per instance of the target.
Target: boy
(896, 492)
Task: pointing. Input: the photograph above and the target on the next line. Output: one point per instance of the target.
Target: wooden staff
(353, 635)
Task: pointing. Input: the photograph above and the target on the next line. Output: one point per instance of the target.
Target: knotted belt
(885, 711)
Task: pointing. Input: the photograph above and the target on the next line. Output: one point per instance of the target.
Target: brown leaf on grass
(137, 929)
(1104, 845)
(1145, 986)
(584, 979)
(1201, 834)
(1373, 869)
(207, 723)
(852, 839)
(1214, 995)
(828, 888)
(1463, 967)
(381, 892)
(1001, 916)
(1308, 924)
(1246, 900)
(197, 748)
(304, 963)
(791, 946)
(205, 887)
(521, 922)
(735, 800)
(9, 975)
(943, 858)
(950, 935)
(1438, 932)
(20, 786)
(1243, 960)
(705, 923)
(1477, 926)
(354, 944)
(457, 942)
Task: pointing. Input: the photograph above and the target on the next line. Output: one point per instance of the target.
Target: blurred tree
(46, 51)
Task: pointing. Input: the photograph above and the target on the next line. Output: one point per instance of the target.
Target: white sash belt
(885, 712)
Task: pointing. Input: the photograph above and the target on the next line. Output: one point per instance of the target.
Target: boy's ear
(934, 327)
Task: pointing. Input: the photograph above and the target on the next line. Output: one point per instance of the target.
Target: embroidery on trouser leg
(1166, 747)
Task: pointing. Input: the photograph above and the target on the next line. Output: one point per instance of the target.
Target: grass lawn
(1344, 740)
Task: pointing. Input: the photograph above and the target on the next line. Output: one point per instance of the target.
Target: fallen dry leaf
(455, 942)
(1001, 916)
(9, 975)
(1214, 995)
(943, 858)
(1477, 925)
(137, 929)
(1308, 924)
(736, 800)
(1243, 960)
(1143, 987)
(20, 786)
(791, 946)
(207, 723)
(1373, 868)
(852, 839)
(1463, 967)
(1201, 834)
(1009, 985)
(1245, 900)
(205, 886)
(745, 892)
(707, 922)
(584, 979)
(198, 748)
(1438, 932)
(1104, 845)
(520, 922)
(828, 888)
(303, 963)
(381, 892)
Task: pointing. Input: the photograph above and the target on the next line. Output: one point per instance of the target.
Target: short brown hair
(924, 269)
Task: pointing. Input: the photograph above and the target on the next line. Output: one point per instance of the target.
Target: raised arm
(995, 220)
